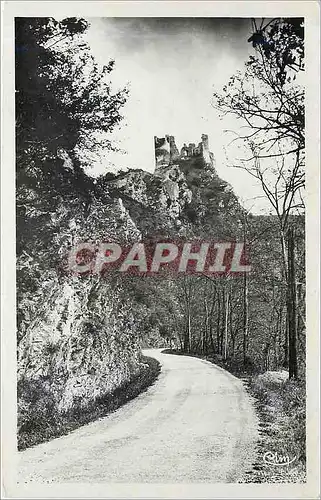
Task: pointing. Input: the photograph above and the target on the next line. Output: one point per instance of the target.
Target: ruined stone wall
(166, 151)
(205, 149)
(162, 150)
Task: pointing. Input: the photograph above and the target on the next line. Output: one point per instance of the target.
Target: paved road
(195, 424)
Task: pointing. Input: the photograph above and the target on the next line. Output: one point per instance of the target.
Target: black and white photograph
(162, 209)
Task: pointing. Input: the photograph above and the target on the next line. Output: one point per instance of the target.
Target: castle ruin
(167, 153)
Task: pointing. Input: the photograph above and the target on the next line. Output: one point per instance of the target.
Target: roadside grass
(280, 407)
(38, 428)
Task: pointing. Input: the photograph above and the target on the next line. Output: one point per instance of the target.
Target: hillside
(181, 199)
(83, 320)
(79, 338)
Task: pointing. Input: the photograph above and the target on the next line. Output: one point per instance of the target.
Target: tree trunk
(187, 346)
(227, 301)
(245, 317)
(286, 340)
(291, 308)
(267, 357)
(285, 273)
(245, 302)
(205, 332)
(218, 325)
(187, 335)
(232, 334)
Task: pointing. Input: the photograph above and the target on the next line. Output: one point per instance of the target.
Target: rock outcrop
(79, 338)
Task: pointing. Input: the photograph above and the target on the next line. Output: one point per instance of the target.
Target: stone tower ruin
(167, 153)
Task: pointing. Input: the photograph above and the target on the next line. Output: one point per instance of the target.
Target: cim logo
(274, 458)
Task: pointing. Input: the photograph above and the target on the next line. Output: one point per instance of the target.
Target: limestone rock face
(186, 194)
(79, 338)
(150, 198)
(175, 194)
(76, 344)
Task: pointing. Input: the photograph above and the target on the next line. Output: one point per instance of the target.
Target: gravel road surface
(195, 424)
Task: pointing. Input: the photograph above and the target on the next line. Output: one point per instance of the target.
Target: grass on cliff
(280, 407)
(37, 427)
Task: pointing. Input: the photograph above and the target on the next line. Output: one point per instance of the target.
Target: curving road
(195, 424)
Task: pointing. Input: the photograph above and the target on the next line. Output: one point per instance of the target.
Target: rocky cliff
(79, 338)
(184, 198)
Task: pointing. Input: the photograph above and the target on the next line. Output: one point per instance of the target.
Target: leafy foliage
(79, 338)
(63, 97)
(269, 99)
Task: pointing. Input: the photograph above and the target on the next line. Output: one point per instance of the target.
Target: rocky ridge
(80, 338)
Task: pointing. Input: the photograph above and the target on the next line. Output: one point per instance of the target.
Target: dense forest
(80, 337)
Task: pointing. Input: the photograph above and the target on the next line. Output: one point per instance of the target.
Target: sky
(172, 67)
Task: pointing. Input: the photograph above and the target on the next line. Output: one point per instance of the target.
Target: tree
(64, 108)
(269, 102)
(269, 99)
(64, 100)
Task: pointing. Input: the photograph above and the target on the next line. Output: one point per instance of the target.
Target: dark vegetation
(42, 420)
(281, 409)
(249, 325)
(77, 341)
(268, 98)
